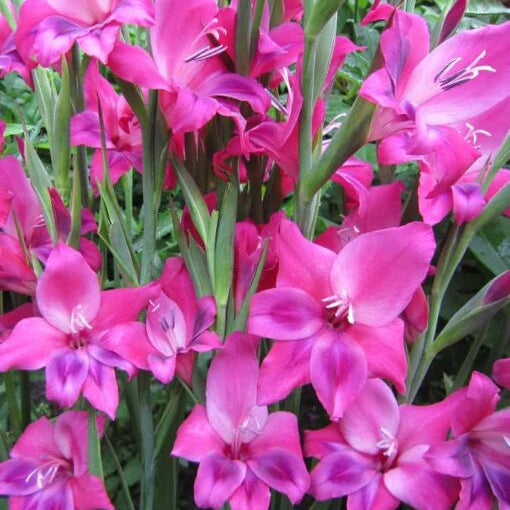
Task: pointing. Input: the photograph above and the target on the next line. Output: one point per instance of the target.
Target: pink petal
(17, 352)
(375, 410)
(196, 437)
(70, 429)
(100, 388)
(341, 473)
(68, 291)
(207, 341)
(376, 286)
(468, 202)
(36, 441)
(65, 374)
(384, 350)
(501, 372)
(89, 493)
(134, 64)
(231, 391)
(217, 479)
(123, 305)
(99, 43)
(426, 424)
(252, 494)
(136, 12)
(162, 367)
(110, 359)
(475, 493)
(285, 313)
(85, 130)
(453, 458)
(130, 342)
(280, 430)
(413, 482)
(440, 106)
(374, 495)
(282, 471)
(302, 263)
(17, 477)
(88, 11)
(285, 367)
(338, 371)
(475, 403)
(322, 442)
(498, 476)
(55, 36)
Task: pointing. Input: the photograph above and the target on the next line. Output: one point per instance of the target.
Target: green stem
(127, 182)
(421, 358)
(120, 472)
(467, 364)
(306, 206)
(148, 180)
(26, 400)
(147, 435)
(242, 37)
(94, 443)
(12, 403)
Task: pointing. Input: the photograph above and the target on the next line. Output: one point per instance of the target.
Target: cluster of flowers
(341, 310)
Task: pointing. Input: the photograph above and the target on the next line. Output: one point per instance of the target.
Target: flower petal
(283, 471)
(231, 391)
(287, 366)
(100, 388)
(68, 293)
(285, 313)
(374, 412)
(338, 371)
(66, 372)
(217, 479)
(196, 438)
(379, 272)
(89, 493)
(19, 352)
(341, 473)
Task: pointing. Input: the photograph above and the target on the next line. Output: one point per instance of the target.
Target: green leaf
(95, 463)
(60, 146)
(478, 310)
(224, 244)
(491, 245)
(197, 206)
(41, 182)
(322, 11)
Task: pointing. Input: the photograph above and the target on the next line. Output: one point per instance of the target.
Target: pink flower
(431, 105)
(76, 318)
(375, 454)
(48, 467)
(194, 81)
(335, 316)
(122, 129)
(479, 453)
(176, 328)
(48, 28)
(242, 450)
(10, 60)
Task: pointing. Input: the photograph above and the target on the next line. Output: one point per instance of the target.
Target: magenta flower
(122, 129)
(176, 328)
(242, 450)
(194, 81)
(75, 319)
(478, 454)
(430, 103)
(375, 454)
(48, 28)
(48, 467)
(10, 60)
(336, 315)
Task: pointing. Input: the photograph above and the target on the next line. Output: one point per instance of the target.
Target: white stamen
(471, 72)
(154, 306)
(388, 443)
(507, 440)
(472, 134)
(78, 321)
